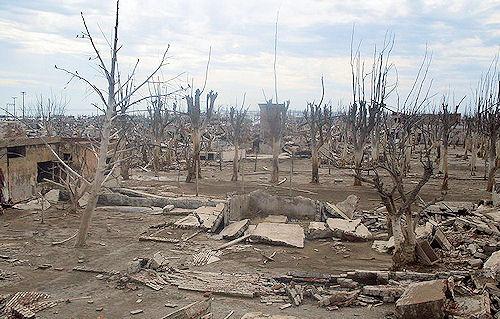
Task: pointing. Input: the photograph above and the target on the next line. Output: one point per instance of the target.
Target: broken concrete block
(279, 234)
(423, 232)
(158, 260)
(83, 201)
(493, 263)
(383, 246)
(475, 262)
(318, 230)
(352, 230)
(340, 298)
(187, 222)
(425, 299)
(52, 196)
(235, 230)
(250, 229)
(441, 240)
(168, 208)
(349, 205)
(474, 306)
(333, 210)
(275, 219)
(383, 291)
(208, 216)
(35, 204)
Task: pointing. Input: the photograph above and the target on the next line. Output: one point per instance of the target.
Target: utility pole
(23, 93)
(14, 99)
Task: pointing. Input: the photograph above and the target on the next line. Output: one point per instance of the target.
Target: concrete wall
(261, 203)
(22, 171)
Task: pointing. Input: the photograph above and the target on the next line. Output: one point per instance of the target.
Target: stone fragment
(425, 299)
(423, 232)
(383, 291)
(235, 230)
(35, 204)
(493, 263)
(349, 205)
(52, 196)
(441, 240)
(275, 219)
(279, 234)
(186, 222)
(352, 230)
(168, 208)
(83, 201)
(250, 229)
(318, 230)
(158, 261)
(339, 298)
(475, 262)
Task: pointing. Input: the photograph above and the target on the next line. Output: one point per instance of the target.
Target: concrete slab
(318, 230)
(351, 230)
(187, 222)
(349, 205)
(52, 196)
(235, 230)
(275, 219)
(279, 234)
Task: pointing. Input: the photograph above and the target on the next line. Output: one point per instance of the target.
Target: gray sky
(314, 40)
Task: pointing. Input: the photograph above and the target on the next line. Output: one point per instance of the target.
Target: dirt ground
(113, 243)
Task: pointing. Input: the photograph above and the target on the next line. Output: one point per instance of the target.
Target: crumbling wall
(260, 202)
(21, 172)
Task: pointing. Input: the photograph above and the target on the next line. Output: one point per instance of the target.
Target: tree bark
(492, 162)
(275, 161)
(473, 155)
(195, 157)
(358, 158)
(315, 166)
(234, 178)
(99, 175)
(444, 165)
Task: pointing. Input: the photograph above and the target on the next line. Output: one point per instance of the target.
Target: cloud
(314, 41)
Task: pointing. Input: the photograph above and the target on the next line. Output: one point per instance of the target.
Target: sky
(314, 38)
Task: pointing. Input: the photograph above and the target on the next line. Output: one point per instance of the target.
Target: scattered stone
(171, 305)
(318, 230)
(235, 230)
(187, 222)
(287, 305)
(279, 234)
(425, 299)
(83, 201)
(260, 315)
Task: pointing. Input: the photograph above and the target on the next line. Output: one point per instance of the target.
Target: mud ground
(113, 243)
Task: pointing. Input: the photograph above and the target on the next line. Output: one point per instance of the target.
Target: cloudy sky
(314, 41)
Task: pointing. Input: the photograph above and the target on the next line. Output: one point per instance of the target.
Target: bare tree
(199, 121)
(47, 111)
(488, 104)
(236, 124)
(448, 120)
(275, 122)
(365, 107)
(111, 101)
(320, 122)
